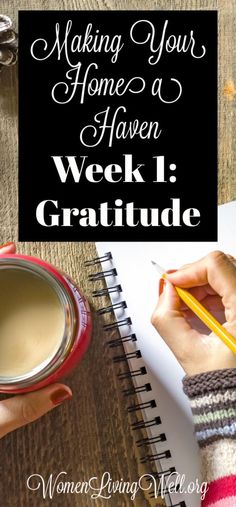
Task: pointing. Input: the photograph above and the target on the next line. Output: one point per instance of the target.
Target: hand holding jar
(45, 328)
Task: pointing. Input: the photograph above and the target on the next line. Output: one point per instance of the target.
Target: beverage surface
(31, 321)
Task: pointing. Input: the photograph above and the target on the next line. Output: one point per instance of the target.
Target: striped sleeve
(212, 397)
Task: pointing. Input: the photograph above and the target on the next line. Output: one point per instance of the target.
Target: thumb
(25, 408)
(171, 324)
(8, 248)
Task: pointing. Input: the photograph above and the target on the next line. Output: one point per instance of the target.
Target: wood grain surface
(91, 434)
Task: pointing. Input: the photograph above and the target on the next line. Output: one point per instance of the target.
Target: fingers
(202, 292)
(216, 269)
(212, 280)
(8, 248)
(169, 321)
(25, 408)
(211, 303)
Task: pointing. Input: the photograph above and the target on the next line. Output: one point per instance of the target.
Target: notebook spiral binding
(124, 357)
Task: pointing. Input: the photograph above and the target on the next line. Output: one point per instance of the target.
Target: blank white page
(139, 282)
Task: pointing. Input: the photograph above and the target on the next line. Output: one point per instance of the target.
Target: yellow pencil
(202, 313)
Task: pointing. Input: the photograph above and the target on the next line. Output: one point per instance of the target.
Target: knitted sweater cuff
(209, 382)
(212, 397)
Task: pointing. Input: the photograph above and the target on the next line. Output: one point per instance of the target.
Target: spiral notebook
(157, 377)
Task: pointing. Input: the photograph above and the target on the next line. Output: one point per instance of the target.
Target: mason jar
(45, 324)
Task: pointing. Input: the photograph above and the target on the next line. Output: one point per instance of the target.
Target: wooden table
(91, 434)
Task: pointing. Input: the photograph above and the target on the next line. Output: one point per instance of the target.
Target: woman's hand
(25, 408)
(212, 280)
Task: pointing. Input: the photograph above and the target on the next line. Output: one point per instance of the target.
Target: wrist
(212, 398)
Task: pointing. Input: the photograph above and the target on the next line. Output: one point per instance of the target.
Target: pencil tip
(158, 268)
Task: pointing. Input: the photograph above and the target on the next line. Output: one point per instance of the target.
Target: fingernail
(170, 271)
(10, 243)
(162, 284)
(60, 395)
